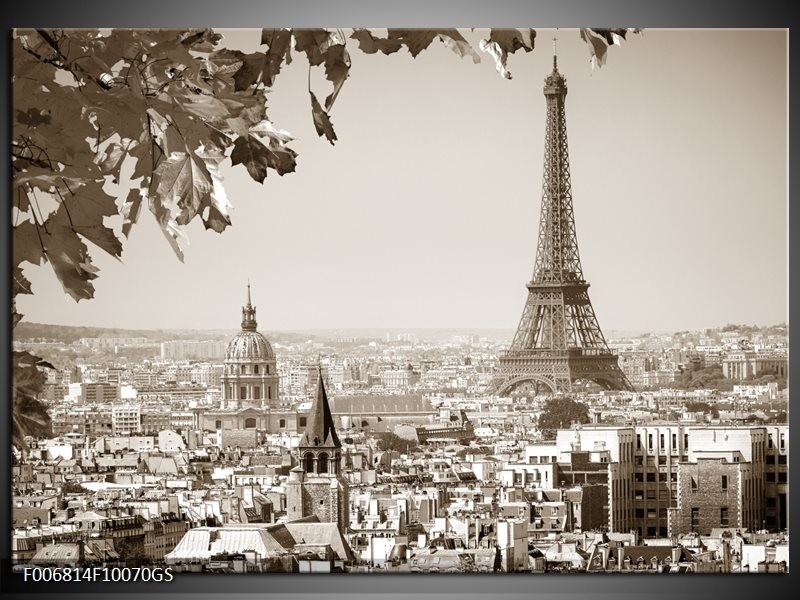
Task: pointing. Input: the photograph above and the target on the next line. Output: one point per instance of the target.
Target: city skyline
(346, 259)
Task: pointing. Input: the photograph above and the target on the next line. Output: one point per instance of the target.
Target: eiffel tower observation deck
(558, 340)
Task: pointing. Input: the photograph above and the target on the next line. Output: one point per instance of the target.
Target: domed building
(250, 406)
(250, 378)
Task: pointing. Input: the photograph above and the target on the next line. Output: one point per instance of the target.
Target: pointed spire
(249, 313)
(320, 430)
(555, 84)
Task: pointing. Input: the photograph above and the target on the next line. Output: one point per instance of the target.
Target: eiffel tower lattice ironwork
(558, 340)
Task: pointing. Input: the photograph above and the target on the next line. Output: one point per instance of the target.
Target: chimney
(726, 556)
(620, 556)
(604, 551)
(676, 554)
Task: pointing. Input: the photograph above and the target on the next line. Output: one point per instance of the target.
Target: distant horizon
(385, 330)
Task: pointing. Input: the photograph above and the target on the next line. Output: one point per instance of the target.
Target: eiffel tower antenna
(558, 340)
(555, 50)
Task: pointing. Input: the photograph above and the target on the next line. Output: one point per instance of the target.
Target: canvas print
(318, 300)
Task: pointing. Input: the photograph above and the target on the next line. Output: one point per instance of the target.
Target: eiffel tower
(558, 340)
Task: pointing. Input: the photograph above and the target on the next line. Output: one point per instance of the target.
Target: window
(269, 392)
(674, 441)
(782, 477)
(638, 494)
(243, 392)
(695, 483)
(685, 441)
(662, 477)
(243, 369)
(308, 461)
(250, 423)
(723, 516)
(639, 460)
(673, 477)
(782, 442)
(638, 477)
(217, 424)
(695, 517)
(662, 513)
(770, 476)
(770, 443)
(651, 494)
(257, 392)
(638, 441)
(322, 463)
(770, 459)
(661, 441)
(255, 369)
(770, 501)
(782, 459)
(649, 441)
(662, 460)
(282, 423)
(724, 482)
(651, 513)
(638, 513)
(266, 368)
(651, 477)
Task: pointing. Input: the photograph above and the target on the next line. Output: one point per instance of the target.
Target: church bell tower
(316, 486)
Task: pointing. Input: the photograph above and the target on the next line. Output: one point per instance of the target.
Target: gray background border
(409, 13)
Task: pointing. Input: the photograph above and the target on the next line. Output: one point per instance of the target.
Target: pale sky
(425, 212)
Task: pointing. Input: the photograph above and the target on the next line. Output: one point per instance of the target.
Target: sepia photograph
(399, 301)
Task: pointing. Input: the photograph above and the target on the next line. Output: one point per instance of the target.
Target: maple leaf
(27, 243)
(215, 215)
(599, 40)
(263, 67)
(130, 209)
(325, 47)
(20, 283)
(417, 40)
(82, 210)
(69, 257)
(370, 44)
(322, 121)
(264, 147)
(279, 44)
(29, 416)
(250, 71)
(502, 42)
(183, 185)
